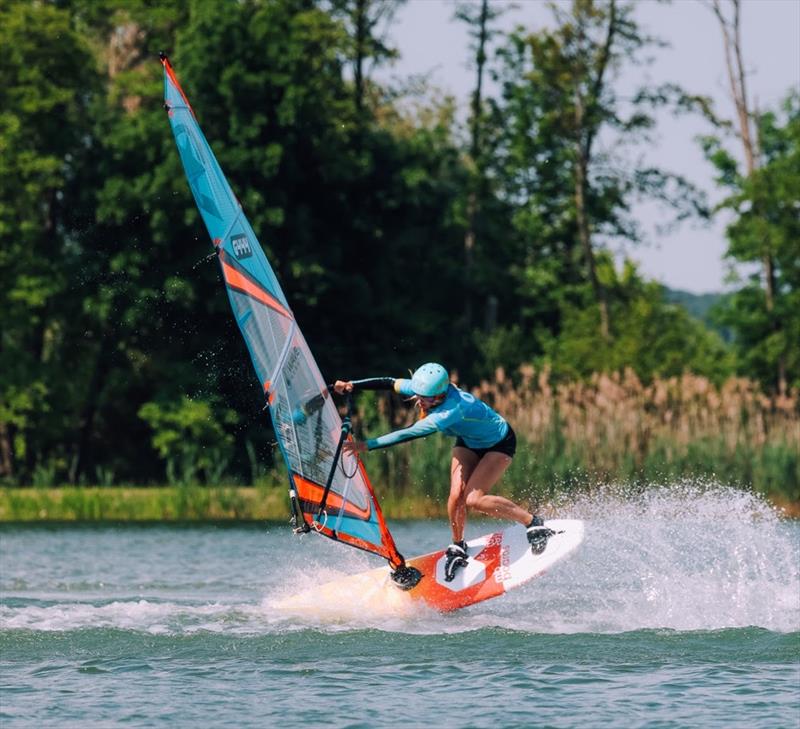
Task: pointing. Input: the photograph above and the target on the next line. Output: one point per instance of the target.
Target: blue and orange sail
(306, 422)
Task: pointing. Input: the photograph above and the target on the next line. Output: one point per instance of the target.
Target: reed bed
(573, 437)
(615, 428)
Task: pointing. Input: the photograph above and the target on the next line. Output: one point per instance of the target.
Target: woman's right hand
(340, 386)
(354, 447)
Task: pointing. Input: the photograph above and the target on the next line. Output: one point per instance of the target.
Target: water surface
(680, 609)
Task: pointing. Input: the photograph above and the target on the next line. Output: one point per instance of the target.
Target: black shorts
(507, 445)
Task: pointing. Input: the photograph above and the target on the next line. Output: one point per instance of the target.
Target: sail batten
(306, 422)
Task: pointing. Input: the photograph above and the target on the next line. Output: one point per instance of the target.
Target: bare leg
(461, 468)
(484, 476)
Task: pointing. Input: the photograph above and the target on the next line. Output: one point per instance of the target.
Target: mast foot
(405, 577)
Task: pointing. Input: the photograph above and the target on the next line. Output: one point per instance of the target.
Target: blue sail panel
(226, 223)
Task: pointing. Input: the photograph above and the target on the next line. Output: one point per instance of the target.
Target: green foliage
(116, 328)
(652, 336)
(702, 307)
(190, 437)
(105, 282)
(766, 228)
(47, 78)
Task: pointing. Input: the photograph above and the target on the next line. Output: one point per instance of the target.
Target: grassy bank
(196, 504)
(172, 504)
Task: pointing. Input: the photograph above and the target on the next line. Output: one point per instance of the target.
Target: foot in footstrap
(538, 534)
(456, 559)
(406, 577)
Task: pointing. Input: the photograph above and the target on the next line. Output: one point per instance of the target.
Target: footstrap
(456, 557)
(457, 549)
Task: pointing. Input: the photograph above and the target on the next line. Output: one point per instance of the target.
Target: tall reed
(613, 427)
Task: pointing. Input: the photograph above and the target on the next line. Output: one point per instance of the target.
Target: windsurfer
(484, 447)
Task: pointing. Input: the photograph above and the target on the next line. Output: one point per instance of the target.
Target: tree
(566, 126)
(766, 224)
(748, 134)
(364, 21)
(47, 80)
(117, 321)
(123, 301)
(478, 19)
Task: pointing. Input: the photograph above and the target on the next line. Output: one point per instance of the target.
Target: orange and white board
(497, 562)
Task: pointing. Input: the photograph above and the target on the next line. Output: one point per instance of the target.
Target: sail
(306, 422)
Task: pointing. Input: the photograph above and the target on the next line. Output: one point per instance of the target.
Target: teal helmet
(430, 380)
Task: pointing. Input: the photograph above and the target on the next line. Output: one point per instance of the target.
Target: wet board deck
(498, 562)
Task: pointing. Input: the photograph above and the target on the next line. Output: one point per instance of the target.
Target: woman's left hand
(353, 447)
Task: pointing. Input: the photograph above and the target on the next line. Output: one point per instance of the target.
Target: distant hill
(699, 306)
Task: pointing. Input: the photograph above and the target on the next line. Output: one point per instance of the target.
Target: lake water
(680, 609)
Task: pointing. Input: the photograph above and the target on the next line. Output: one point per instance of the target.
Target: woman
(485, 444)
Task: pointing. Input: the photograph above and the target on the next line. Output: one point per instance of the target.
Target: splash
(692, 556)
(365, 599)
(148, 616)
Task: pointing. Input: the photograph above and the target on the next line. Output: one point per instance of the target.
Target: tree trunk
(361, 39)
(586, 128)
(6, 452)
(584, 235)
(101, 370)
(473, 202)
(469, 262)
(731, 35)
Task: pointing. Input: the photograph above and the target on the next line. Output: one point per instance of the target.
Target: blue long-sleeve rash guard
(459, 414)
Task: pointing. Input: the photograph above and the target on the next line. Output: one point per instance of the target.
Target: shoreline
(173, 505)
(197, 504)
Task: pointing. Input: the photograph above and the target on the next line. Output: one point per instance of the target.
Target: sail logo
(241, 246)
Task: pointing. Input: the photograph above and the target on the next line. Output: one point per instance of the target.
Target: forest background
(402, 230)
